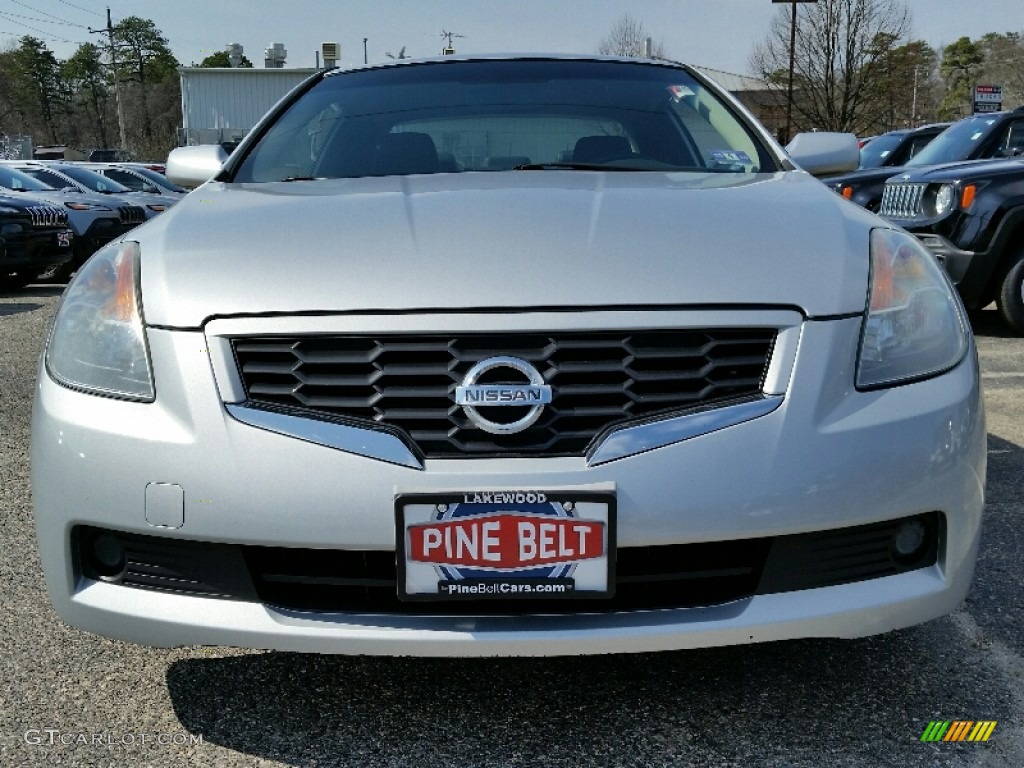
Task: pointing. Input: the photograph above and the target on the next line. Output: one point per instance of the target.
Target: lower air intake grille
(646, 578)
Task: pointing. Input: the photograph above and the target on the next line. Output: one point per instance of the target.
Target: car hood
(966, 169)
(61, 196)
(864, 175)
(146, 198)
(505, 241)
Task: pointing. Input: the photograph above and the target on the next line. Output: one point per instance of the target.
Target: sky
(714, 34)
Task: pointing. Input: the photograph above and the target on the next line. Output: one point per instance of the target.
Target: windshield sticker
(977, 136)
(730, 156)
(680, 92)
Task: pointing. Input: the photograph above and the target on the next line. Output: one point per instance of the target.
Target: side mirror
(192, 166)
(825, 153)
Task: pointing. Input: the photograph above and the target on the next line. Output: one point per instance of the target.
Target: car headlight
(913, 326)
(944, 199)
(158, 207)
(98, 342)
(86, 207)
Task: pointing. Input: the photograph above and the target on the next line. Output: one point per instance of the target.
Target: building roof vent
(234, 51)
(274, 56)
(330, 52)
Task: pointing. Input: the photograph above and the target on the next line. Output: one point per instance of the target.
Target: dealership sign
(988, 98)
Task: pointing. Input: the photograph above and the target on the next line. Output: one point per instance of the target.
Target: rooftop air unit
(234, 51)
(330, 52)
(274, 56)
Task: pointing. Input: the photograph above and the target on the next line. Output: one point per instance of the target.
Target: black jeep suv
(971, 216)
(34, 238)
(979, 137)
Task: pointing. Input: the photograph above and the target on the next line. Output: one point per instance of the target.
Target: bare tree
(629, 38)
(843, 70)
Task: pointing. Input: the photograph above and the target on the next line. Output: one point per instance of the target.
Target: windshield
(467, 116)
(876, 152)
(957, 142)
(11, 178)
(92, 180)
(158, 179)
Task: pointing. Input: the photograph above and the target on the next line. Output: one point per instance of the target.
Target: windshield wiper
(573, 167)
(299, 178)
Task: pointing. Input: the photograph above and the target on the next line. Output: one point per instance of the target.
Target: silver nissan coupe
(508, 356)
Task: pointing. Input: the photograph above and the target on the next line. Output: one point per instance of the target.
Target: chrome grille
(132, 214)
(600, 379)
(902, 201)
(48, 216)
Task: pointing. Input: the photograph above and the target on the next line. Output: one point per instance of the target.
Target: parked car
(93, 219)
(896, 148)
(109, 155)
(76, 176)
(34, 237)
(373, 389)
(137, 177)
(979, 137)
(971, 216)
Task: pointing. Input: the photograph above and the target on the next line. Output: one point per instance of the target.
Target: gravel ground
(74, 699)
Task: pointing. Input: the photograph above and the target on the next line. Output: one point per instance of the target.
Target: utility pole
(792, 59)
(449, 49)
(365, 61)
(109, 32)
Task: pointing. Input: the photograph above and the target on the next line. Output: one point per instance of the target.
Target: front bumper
(34, 251)
(969, 271)
(955, 261)
(99, 233)
(827, 458)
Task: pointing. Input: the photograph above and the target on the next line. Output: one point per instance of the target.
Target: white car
(484, 356)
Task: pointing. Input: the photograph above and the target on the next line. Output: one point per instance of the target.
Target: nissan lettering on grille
(473, 395)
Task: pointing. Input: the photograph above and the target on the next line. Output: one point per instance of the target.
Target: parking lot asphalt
(73, 699)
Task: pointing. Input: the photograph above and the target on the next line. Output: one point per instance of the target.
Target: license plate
(505, 545)
(64, 238)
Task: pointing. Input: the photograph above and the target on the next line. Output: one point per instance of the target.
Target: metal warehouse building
(222, 105)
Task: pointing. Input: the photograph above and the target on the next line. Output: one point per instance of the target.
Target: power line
(87, 10)
(36, 29)
(44, 13)
(43, 21)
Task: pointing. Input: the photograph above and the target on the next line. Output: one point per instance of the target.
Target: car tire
(60, 274)
(16, 281)
(1010, 300)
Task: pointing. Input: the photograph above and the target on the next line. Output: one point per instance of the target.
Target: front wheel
(1010, 300)
(59, 274)
(15, 281)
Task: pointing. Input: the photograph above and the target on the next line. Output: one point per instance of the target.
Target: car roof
(471, 57)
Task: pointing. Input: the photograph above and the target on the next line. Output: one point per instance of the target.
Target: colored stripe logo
(958, 730)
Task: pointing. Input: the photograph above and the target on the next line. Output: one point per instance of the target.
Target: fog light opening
(911, 540)
(106, 557)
